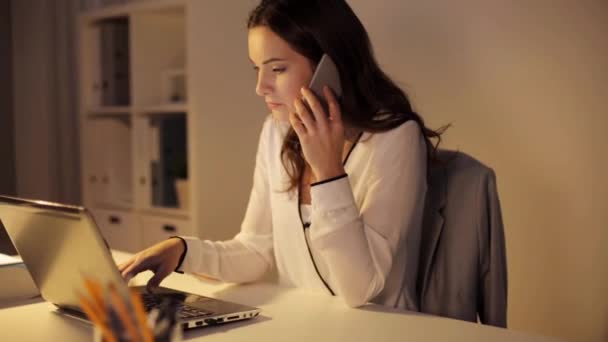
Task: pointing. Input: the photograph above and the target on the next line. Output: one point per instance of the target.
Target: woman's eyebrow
(270, 60)
(274, 60)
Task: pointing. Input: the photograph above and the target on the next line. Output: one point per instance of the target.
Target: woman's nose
(263, 86)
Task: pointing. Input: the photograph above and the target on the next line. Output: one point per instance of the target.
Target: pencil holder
(174, 336)
(120, 315)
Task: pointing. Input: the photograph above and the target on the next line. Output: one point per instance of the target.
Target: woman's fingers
(297, 125)
(305, 117)
(140, 264)
(317, 109)
(335, 113)
(122, 266)
(161, 273)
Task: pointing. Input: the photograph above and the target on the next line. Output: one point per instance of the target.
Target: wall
(32, 80)
(525, 85)
(46, 134)
(231, 114)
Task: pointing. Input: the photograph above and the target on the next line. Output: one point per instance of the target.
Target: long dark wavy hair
(370, 101)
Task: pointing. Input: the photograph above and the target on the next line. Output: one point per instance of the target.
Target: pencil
(86, 307)
(96, 294)
(140, 314)
(123, 313)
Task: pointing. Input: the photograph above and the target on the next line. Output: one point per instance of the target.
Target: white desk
(287, 315)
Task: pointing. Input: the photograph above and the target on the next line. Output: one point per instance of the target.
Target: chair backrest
(462, 270)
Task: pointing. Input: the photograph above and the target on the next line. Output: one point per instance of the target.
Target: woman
(337, 197)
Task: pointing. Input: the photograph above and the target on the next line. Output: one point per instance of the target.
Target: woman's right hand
(161, 259)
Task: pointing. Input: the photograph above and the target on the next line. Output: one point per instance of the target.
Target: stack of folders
(21, 285)
(118, 319)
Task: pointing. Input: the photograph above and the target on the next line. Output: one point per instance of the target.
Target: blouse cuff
(333, 206)
(186, 260)
(181, 258)
(329, 180)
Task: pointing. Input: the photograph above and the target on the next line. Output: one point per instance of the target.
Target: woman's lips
(273, 105)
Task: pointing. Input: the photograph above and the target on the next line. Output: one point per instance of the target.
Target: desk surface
(287, 314)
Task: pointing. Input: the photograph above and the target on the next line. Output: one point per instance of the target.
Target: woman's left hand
(321, 134)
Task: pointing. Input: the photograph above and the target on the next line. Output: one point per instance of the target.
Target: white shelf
(172, 212)
(123, 145)
(171, 108)
(109, 110)
(113, 206)
(124, 9)
(175, 72)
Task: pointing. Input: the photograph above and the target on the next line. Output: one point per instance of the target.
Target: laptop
(61, 244)
(6, 246)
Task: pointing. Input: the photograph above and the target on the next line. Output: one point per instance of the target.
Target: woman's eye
(278, 70)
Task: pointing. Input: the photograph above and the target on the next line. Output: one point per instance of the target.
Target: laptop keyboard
(152, 301)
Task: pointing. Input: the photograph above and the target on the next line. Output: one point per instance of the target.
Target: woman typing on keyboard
(338, 190)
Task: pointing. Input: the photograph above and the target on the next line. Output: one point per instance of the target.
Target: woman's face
(281, 71)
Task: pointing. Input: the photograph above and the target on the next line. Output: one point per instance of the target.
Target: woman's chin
(280, 115)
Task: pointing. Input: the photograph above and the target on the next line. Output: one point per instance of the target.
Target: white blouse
(306, 210)
(365, 228)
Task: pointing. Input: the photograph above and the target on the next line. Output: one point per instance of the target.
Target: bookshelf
(191, 110)
(134, 121)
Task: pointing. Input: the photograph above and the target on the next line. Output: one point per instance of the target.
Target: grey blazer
(463, 265)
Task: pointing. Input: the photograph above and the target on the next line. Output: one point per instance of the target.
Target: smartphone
(326, 74)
